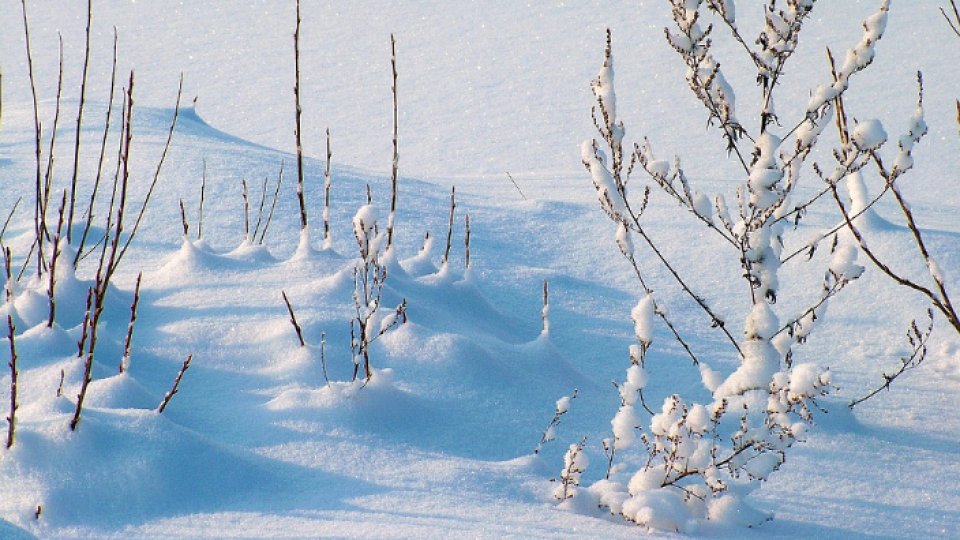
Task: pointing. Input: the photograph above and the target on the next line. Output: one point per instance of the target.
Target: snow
(438, 443)
(869, 134)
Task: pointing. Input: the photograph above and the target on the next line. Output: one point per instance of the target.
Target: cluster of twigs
(55, 240)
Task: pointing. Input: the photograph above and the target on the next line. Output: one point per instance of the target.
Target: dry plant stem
(103, 152)
(87, 378)
(54, 257)
(323, 357)
(183, 220)
(6, 222)
(293, 319)
(918, 340)
(246, 210)
(453, 208)
(48, 175)
(128, 340)
(263, 200)
(7, 289)
(12, 419)
(38, 188)
(76, 144)
(466, 243)
(273, 205)
(203, 189)
(63, 376)
(514, 182)
(297, 130)
(396, 157)
(326, 192)
(176, 385)
(85, 327)
(546, 308)
(955, 21)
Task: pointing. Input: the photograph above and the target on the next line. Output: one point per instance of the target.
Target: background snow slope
(255, 446)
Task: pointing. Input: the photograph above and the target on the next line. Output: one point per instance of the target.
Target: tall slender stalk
(394, 171)
(37, 129)
(128, 341)
(11, 335)
(103, 152)
(12, 419)
(48, 175)
(76, 143)
(453, 208)
(54, 257)
(297, 130)
(326, 195)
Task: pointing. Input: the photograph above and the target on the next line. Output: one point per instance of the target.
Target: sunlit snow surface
(439, 442)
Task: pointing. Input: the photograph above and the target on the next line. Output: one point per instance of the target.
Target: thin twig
(293, 319)
(396, 157)
(323, 359)
(54, 257)
(203, 190)
(453, 207)
(263, 200)
(38, 188)
(76, 144)
(273, 205)
(103, 151)
(128, 341)
(176, 385)
(6, 222)
(246, 210)
(466, 242)
(918, 340)
(12, 419)
(297, 128)
(326, 194)
(955, 21)
(514, 182)
(48, 175)
(183, 220)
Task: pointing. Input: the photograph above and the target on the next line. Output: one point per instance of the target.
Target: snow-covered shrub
(562, 408)
(575, 462)
(369, 276)
(700, 457)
